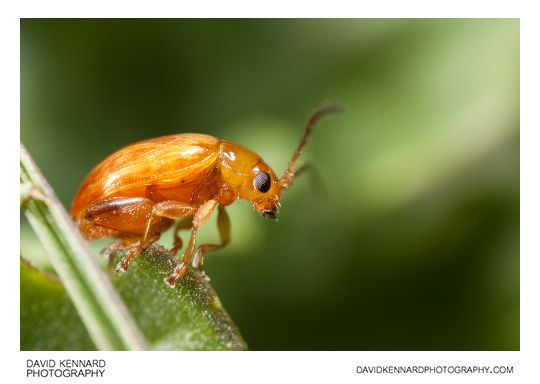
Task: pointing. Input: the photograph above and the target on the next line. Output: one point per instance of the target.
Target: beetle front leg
(224, 227)
(200, 217)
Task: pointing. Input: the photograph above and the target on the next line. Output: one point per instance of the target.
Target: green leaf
(187, 317)
(49, 320)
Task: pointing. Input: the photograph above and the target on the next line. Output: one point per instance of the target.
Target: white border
(280, 366)
(274, 9)
(283, 367)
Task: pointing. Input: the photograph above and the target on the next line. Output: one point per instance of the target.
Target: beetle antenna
(287, 179)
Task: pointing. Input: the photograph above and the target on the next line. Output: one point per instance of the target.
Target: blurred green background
(411, 240)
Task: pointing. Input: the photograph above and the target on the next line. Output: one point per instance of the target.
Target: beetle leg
(185, 223)
(133, 251)
(117, 246)
(224, 227)
(162, 211)
(115, 216)
(170, 209)
(111, 249)
(200, 217)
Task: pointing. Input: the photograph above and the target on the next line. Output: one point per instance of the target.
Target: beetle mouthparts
(269, 214)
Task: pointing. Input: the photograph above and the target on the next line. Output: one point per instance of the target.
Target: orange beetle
(137, 192)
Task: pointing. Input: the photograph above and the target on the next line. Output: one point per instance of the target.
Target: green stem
(101, 309)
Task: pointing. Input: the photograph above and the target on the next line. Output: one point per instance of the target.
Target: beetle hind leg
(117, 246)
(133, 250)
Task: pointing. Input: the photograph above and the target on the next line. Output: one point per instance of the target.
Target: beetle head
(245, 173)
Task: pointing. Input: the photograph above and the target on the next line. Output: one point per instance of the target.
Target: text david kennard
(65, 368)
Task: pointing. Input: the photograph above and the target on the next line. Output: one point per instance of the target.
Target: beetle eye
(262, 181)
